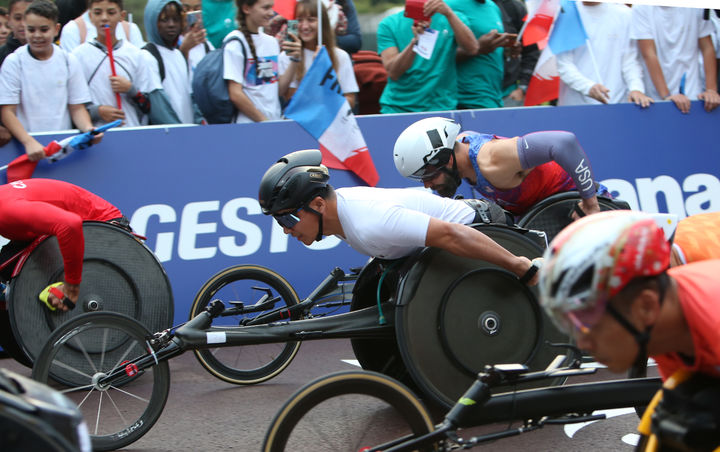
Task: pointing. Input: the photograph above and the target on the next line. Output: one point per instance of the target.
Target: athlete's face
(610, 343)
(442, 183)
(306, 229)
(40, 33)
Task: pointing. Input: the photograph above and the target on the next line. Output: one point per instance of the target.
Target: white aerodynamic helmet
(425, 146)
(595, 257)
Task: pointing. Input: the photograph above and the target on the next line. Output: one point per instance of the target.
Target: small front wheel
(347, 411)
(247, 364)
(82, 352)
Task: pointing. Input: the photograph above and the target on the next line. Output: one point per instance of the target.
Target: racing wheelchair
(413, 319)
(120, 274)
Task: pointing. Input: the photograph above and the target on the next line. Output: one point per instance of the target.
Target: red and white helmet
(594, 258)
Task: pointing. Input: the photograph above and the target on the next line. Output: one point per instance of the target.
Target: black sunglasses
(288, 220)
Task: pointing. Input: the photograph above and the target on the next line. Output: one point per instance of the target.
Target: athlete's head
(597, 274)
(424, 152)
(289, 188)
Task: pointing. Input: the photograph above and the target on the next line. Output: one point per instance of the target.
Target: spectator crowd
(63, 68)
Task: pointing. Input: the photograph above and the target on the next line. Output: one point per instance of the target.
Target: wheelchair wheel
(346, 411)
(91, 346)
(379, 354)
(551, 214)
(456, 315)
(120, 274)
(248, 364)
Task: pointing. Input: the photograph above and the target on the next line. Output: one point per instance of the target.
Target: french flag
(320, 108)
(567, 34)
(542, 14)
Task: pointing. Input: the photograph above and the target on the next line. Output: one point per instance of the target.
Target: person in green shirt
(414, 82)
(218, 19)
(480, 77)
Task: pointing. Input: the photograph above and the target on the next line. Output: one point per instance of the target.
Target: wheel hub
(96, 381)
(489, 323)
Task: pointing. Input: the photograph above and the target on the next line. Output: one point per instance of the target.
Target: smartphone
(414, 10)
(292, 27)
(192, 17)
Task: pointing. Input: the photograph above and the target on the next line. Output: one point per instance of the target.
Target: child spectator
(132, 79)
(163, 25)
(81, 29)
(41, 86)
(295, 62)
(251, 64)
(4, 29)
(193, 43)
(16, 38)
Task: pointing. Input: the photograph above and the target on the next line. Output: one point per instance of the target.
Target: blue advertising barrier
(192, 190)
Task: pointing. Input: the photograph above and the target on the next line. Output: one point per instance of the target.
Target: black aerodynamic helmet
(293, 181)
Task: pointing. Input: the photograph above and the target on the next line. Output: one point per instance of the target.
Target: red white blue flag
(320, 108)
(567, 34)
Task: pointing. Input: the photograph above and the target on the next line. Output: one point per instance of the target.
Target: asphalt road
(206, 414)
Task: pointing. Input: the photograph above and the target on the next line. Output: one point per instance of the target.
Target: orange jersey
(698, 237)
(698, 288)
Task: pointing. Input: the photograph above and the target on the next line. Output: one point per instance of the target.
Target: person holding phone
(422, 83)
(301, 44)
(193, 42)
(480, 75)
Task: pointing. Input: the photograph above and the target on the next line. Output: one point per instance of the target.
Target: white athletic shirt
(392, 222)
(676, 32)
(262, 88)
(617, 57)
(43, 89)
(70, 34)
(345, 73)
(177, 80)
(129, 64)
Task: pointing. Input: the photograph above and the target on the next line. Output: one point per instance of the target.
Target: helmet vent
(583, 282)
(435, 140)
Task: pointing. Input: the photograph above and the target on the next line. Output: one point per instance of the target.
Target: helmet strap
(453, 173)
(320, 222)
(641, 338)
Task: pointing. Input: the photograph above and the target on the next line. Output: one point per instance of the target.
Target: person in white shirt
(132, 77)
(250, 64)
(42, 87)
(163, 25)
(615, 75)
(672, 42)
(82, 30)
(299, 53)
(193, 42)
(384, 223)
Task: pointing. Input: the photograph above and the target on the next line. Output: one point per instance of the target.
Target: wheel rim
(247, 364)
(117, 412)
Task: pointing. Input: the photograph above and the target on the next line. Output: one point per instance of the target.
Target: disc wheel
(80, 353)
(120, 274)
(552, 214)
(247, 364)
(457, 315)
(346, 411)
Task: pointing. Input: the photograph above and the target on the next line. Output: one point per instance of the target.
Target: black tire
(551, 214)
(120, 274)
(247, 364)
(127, 413)
(345, 403)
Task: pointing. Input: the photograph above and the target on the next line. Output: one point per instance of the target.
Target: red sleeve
(22, 216)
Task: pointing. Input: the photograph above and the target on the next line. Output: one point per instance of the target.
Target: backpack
(371, 79)
(152, 48)
(210, 91)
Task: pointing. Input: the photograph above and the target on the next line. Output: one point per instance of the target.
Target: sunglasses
(432, 166)
(427, 172)
(288, 220)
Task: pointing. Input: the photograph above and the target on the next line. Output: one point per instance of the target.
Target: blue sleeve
(351, 41)
(563, 148)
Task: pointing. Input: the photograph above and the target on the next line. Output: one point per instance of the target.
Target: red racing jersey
(699, 294)
(31, 208)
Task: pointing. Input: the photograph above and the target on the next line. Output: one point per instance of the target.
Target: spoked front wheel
(249, 284)
(347, 411)
(82, 352)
